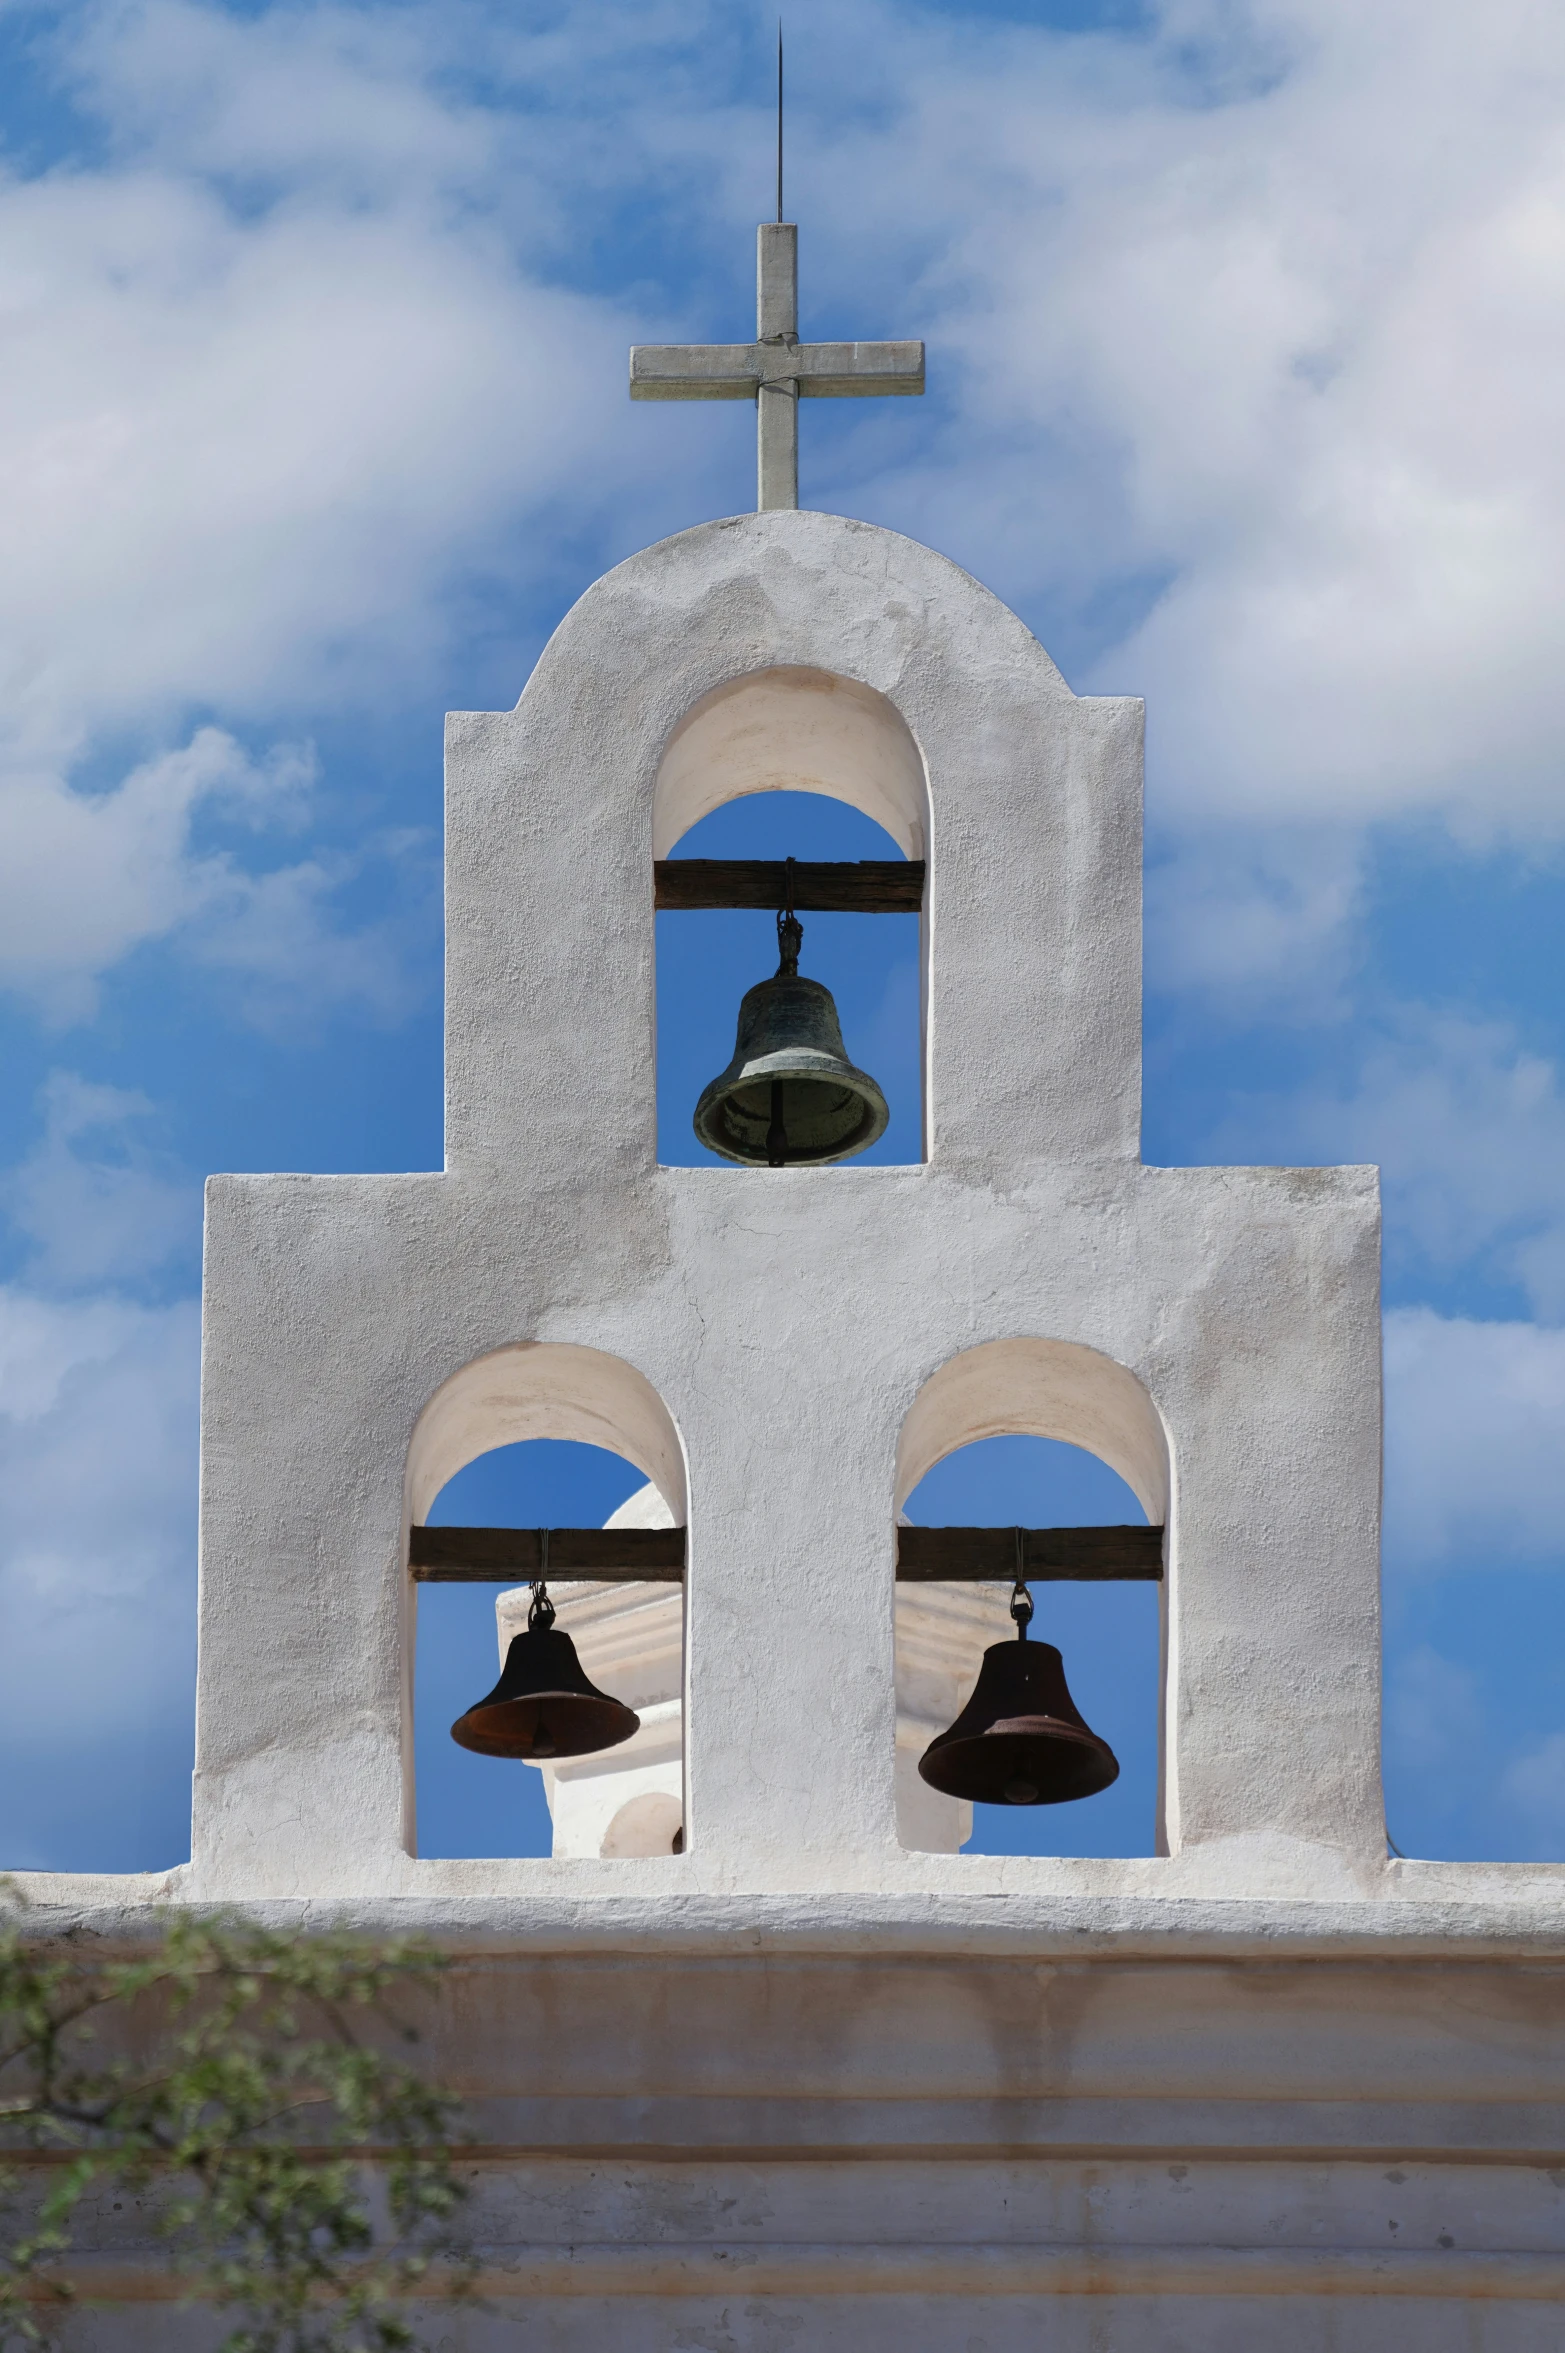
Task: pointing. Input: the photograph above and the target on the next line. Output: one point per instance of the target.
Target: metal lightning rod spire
(779, 118)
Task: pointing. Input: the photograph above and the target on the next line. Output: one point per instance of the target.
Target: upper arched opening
(793, 730)
(1039, 1388)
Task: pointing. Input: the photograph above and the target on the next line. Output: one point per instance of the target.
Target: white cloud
(276, 385)
(42, 1342)
(95, 1200)
(87, 876)
(98, 1463)
(1475, 1441)
(1473, 1133)
(1468, 1125)
(296, 95)
(246, 448)
(1294, 331)
(97, 1558)
(1534, 1783)
(1433, 1716)
(1243, 325)
(1256, 920)
(277, 937)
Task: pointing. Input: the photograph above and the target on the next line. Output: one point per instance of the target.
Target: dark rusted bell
(1020, 1740)
(543, 1705)
(790, 1097)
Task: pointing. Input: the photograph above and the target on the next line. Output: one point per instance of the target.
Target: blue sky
(1245, 328)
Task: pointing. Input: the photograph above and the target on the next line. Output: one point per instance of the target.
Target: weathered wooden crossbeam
(656, 1556)
(869, 886)
(961, 1556)
(478, 1556)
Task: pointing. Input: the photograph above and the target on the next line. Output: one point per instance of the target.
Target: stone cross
(776, 370)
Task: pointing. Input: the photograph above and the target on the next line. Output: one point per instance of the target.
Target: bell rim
(970, 1750)
(790, 1063)
(616, 1722)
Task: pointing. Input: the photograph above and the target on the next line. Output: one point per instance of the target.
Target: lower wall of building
(762, 2153)
(737, 2319)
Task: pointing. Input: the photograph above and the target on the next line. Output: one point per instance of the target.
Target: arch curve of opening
(790, 729)
(644, 1825)
(1040, 1389)
(544, 1389)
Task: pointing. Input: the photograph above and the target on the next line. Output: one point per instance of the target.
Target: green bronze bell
(790, 1097)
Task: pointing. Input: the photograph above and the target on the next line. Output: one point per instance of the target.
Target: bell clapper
(1019, 1791)
(540, 1617)
(790, 939)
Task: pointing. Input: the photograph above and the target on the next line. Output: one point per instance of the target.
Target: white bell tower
(1029, 1274)
(819, 2074)
(819, 2080)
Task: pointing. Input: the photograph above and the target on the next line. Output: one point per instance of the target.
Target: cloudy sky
(1245, 321)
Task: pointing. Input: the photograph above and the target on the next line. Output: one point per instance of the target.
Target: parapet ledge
(1430, 1912)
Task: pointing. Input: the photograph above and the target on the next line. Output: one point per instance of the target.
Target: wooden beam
(656, 1556)
(873, 886)
(963, 1556)
(512, 1556)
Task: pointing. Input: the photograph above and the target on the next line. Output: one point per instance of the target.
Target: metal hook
(540, 1615)
(790, 932)
(1021, 1599)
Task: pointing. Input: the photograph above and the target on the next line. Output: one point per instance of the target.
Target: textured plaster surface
(800, 2085)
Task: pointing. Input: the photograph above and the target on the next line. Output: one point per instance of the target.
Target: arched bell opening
(541, 1551)
(648, 1824)
(775, 1049)
(1031, 1627)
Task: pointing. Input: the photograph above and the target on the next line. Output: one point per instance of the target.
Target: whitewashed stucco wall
(788, 1320)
